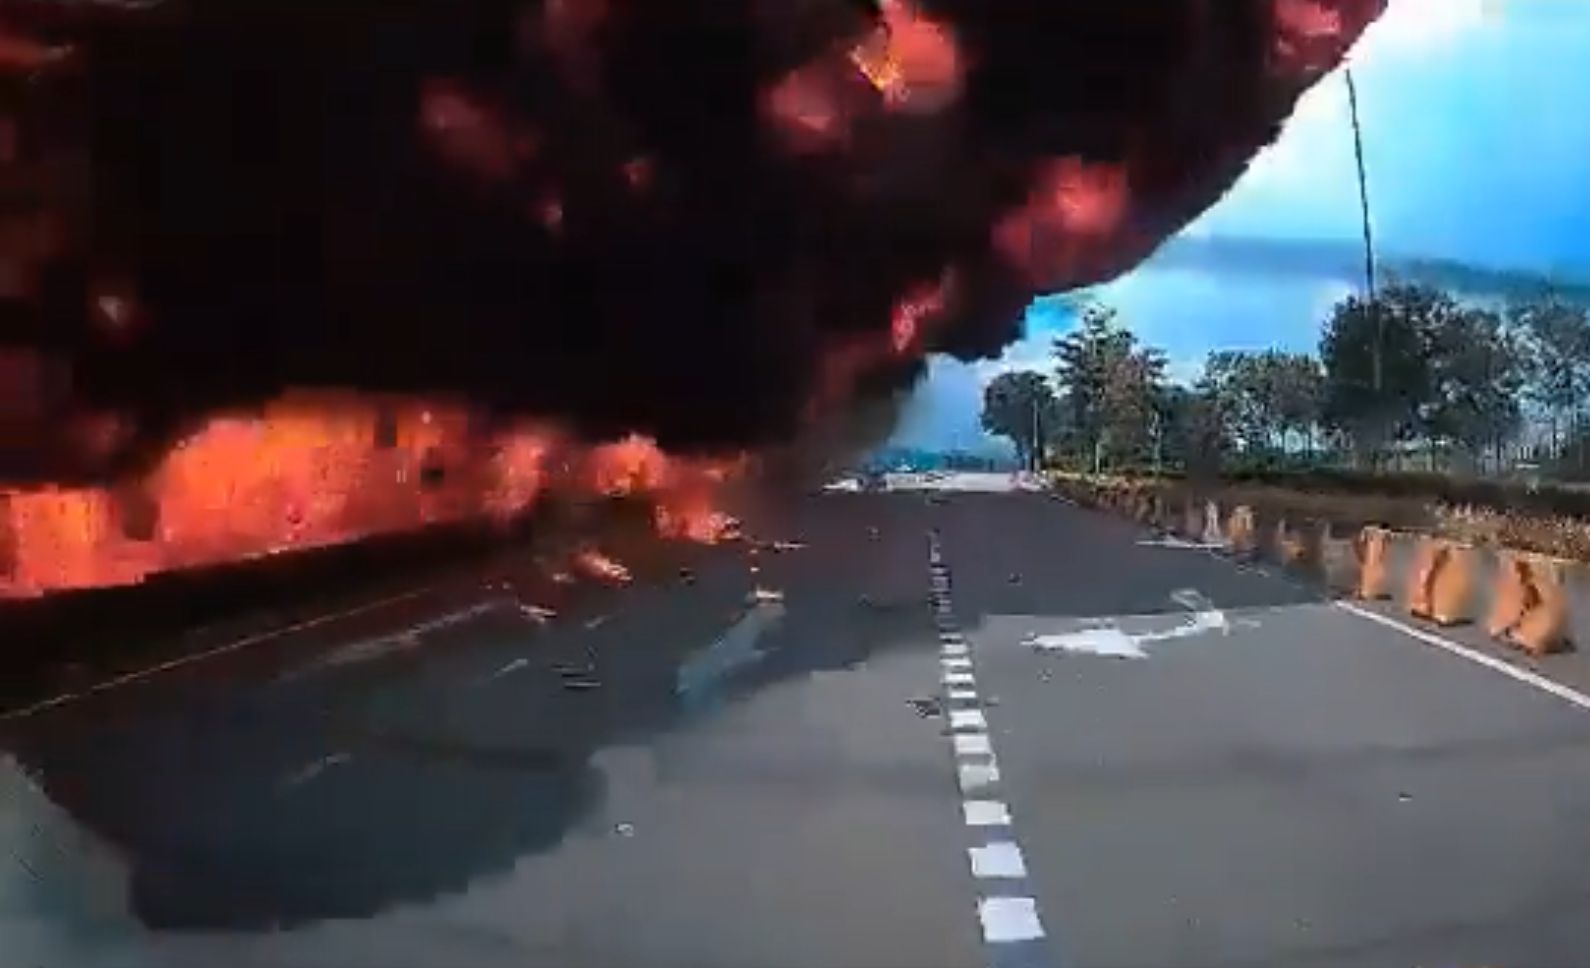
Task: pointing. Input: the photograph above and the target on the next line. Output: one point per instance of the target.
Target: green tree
(1021, 406)
(1109, 385)
(1477, 370)
(1265, 398)
(1192, 431)
(1554, 338)
(1377, 374)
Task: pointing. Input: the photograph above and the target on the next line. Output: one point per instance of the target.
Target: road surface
(954, 728)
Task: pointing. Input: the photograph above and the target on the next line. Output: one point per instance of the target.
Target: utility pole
(1377, 350)
(1369, 242)
(1033, 455)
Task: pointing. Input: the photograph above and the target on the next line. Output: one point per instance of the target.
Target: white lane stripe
(986, 813)
(1479, 658)
(963, 695)
(309, 772)
(972, 744)
(1007, 919)
(177, 663)
(999, 859)
(968, 719)
(959, 679)
(509, 669)
(956, 663)
(975, 776)
(952, 648)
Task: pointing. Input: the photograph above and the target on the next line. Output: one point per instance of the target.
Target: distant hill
(1344, 260)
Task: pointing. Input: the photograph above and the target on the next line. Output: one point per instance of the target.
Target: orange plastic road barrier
(1289, 546)
(1440, 584)
(1239, 530)
(1422, 577)
(1530, 609)
(1370, 550)
(1509, 600)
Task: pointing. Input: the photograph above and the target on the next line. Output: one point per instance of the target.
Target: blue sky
(1476, 118)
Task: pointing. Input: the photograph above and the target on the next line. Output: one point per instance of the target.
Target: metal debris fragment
(926, 706)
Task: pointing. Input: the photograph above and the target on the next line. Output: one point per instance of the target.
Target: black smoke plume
(578, 209)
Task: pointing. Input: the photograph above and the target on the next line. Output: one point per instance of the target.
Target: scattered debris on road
(624, 829)
(537, 613)
(926, 707)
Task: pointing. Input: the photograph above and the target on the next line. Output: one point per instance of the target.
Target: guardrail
(1533, 602)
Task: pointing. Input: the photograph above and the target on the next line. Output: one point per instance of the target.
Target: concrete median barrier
(1213, 534)
(1338, 561)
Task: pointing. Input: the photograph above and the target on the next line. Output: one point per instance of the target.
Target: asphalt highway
(938, 728)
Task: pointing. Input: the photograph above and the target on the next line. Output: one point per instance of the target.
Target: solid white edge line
(1480, 658)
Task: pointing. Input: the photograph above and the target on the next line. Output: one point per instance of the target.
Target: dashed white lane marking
(975, 777)
(985, 813)
(300, 777)
(509, 669)
(972, 744)
(1007, 919)
(1473, 655)
(968, 719)
(998, 859)
(220, 650)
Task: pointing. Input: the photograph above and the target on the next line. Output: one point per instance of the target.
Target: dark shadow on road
(246, 802)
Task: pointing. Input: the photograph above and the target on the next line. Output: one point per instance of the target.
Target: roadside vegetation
(1417, 409)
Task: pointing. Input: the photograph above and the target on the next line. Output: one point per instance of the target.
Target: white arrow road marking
(1110, 641)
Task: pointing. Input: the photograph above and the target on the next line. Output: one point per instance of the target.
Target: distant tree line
(1409, 379)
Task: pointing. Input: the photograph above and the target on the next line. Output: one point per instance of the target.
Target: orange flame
(913, 61)
(694, 518)
(597, 565)
(1074, 210)
(465, 133)
(806, 108)
(316, 470)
